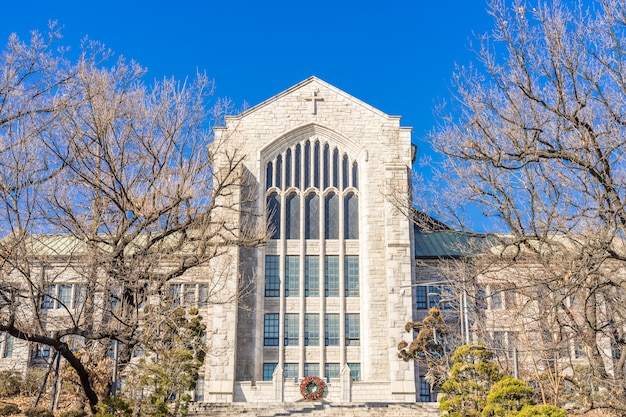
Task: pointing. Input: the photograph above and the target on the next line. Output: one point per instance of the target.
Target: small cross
(314, 99)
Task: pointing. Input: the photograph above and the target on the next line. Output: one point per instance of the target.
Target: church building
(327, 293)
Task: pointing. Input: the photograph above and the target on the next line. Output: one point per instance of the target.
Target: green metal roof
(446, 244)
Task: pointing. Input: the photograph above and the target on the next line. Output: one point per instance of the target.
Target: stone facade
(377, 152)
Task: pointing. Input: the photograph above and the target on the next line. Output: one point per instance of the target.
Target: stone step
(310, 409)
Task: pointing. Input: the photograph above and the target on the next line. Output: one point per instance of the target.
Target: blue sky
(396, 55)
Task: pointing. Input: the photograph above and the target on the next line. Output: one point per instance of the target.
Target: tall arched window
(297, 167)
(279, 171)
(326, 166)
(307, 164)
(269, 175)
(316, 164)
(335, 168)
(346, 172)
(351, 216)
(312, 217)
(288, 168)
(292, 218)
(331, 216)
(329, 177)
(273, 214)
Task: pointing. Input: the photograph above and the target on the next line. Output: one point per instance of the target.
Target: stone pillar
(278, 380)
(346, 384)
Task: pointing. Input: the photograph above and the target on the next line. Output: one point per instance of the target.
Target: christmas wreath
(312, 388)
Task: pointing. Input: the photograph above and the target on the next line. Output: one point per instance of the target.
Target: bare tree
(110, 193)
(535, 140)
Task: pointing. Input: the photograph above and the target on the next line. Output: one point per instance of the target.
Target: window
(48, 297)
(312, 216)
(180, 295)
(496, 298)
(268, 371)
(292, 276)
(279, 171)
(175, 293)
(355, 371)
(351, 267)
(434, 296)
(331, 215)
(203, 295)
(65, 296)
(7, 351)
(331, 275)
(351, 216)
(269, 175)
(345, 172)
(288, 168)
(271, 330)
(189, 297)
(421, 299)
(311, 329)
(311, 369)
(355, 175)
(498, 341)
(312, 276)
(424, 390)
(292, 216)
(353, 330)
(331, 370)
(42, 351)
(324, 168)
(331, 329)
(291, 370)
(199, 392)
(292, 324)
(273, 214)
(272, 280)
(80, 295)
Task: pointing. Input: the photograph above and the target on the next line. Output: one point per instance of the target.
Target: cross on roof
(314, 99)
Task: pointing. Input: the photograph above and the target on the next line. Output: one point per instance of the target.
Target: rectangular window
(80, 295)
(189, 297)
(203, 295)
(199, 392)
(421, 299)
(331, 329)
(48, 298)
(353, 330)
(331, 370)
(434, 296)
(352, 275)
(312, 276)
(292, 276)
(355, 371)
(175, 293)
(311, 369)
(291, 370)
(496, 298)
(424, 390)
(331, 275)
(268, 371)
(311, 329)
(497, 341)
(271, 330)
(272, 278)
(7, 352)
(65, 296)
(292, 324)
